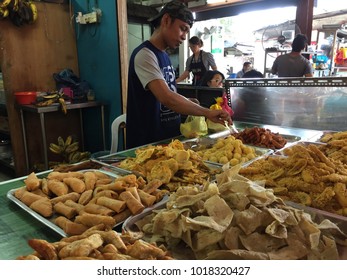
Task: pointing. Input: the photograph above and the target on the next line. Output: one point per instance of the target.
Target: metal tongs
(231, 128)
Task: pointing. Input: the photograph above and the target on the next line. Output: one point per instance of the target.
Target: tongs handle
(231, 128)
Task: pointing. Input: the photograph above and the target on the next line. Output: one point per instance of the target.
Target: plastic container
(25, 97)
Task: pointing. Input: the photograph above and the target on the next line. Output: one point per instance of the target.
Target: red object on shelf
(25, 97)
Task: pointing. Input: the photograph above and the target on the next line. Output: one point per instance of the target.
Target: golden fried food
(307, 175)
(96, 244)
(169, 164)
(32, 182)
(76, 208)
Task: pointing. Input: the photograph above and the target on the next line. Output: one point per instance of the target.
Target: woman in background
(198, 63)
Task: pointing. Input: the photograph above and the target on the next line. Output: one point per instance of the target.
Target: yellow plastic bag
(212, 126)
(215, 127)
(193, 127)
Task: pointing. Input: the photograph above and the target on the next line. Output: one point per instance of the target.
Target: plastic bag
(194, 126)
(66, 78)
(221, 104)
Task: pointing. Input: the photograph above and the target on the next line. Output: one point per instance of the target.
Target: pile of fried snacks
(95, 244)
(228, 150)
(171, 164)
(336, 145)
(304, 175)
(261, 137)
(236, 218)
(76, 201)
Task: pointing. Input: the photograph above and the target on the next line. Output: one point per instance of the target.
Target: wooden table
(54, 108)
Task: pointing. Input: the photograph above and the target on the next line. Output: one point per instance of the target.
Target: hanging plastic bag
(221, 104)
(194, 126)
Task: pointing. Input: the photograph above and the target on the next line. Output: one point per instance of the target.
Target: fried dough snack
(236, 218)
(78, 200)
(172, 165)
(96, 245)
(306, 175)
(228, 150)
(261, 137)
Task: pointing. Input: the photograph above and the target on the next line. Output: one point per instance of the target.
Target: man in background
(247, 66)
(293, 64)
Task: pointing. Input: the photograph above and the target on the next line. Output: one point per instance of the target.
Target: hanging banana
(68, 149)
(4, 3)
(4, 13)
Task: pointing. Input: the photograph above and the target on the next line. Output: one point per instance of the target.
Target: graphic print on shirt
(167, 114)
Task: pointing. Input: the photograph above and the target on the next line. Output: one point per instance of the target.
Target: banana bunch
(19, 11)
(50, 98)
(69, 150)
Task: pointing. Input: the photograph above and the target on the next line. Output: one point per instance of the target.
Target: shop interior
(219, 218)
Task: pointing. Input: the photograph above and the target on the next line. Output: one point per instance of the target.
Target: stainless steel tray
(317, 138)
(260, 152)
(129, 223)
(49, 222)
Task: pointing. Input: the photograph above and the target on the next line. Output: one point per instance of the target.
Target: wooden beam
(123, 46)
(304, 17)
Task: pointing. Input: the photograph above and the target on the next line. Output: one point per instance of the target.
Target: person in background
(253, 74)
(154, 107)
(247, 66)
(198, 63)
(293, 64)
(212, 78)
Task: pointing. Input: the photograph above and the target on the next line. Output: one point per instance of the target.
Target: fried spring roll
(76, 184)
(65, 210)
(146, 198)
(85, 197)
(90, 220)
(75, 205)
(72, 196)
(90, 180)
(114, 204)
(122, 216)
(117, 186)
(69, 227)
(107, 193)
(32, 182)
(43, 206)
(57, 187)
(93, 208)
(28, 198)
(132, 203)
(133, 191)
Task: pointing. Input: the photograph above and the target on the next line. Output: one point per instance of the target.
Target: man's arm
(183, 105)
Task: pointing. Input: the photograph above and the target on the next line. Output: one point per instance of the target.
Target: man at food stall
(153, 105)
(293, 64)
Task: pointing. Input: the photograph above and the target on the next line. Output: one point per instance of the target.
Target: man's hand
(219, 116)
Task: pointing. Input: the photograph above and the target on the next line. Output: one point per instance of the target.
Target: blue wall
(98, 58)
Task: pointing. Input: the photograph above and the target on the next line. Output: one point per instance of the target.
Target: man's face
(175, 32)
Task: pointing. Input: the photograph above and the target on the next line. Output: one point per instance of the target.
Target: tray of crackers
(236, 218)
(72, 202)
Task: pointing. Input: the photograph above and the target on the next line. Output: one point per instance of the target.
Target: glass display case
(311, 103)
